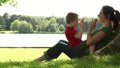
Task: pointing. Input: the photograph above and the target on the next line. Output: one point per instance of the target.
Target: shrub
(25, 27)
(61, 28)
(15, 25)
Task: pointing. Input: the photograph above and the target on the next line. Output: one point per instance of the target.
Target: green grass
(23, 57)
(8, 32)
(22, 54)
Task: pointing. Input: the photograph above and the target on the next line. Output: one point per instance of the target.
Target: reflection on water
(31, 40)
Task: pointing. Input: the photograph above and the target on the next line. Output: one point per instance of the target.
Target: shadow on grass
(115, 60)
(108, 61)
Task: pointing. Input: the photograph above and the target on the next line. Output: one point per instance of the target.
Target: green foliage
(86, 62)
(23, 58)
(0, 27)
(53, 27)
(15, 25)
(11, 2)
(6, 17)
(61, 27)
(25, 27)
(2, 23)
(53, 20)
(42, 24)
(12, 18)
(87, 19)
(60, 20)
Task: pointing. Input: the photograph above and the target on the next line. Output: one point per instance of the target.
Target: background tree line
(29, 24)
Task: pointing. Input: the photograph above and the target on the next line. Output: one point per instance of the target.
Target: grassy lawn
(23, 57)
(8, 32)
(22, 54)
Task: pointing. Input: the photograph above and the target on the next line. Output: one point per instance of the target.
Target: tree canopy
(38, 23)
(11, 2)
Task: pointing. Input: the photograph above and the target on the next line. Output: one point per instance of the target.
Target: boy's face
(75, 22)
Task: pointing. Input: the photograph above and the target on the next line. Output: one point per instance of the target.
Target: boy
(73, 37)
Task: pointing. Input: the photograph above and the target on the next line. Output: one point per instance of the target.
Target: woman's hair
(112, 15)
(71, 17)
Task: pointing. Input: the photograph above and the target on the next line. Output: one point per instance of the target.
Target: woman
(95, 40)
(110, 20)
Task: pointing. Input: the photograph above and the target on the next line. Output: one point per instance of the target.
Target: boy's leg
(52, 52)
(55, 51)
(63, 46)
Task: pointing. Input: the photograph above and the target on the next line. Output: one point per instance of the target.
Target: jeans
(63, 46)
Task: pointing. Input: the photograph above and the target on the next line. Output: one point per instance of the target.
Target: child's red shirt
(70, 33)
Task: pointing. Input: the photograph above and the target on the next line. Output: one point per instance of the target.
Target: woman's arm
(79, 34)
(91, 40)
(94, 39)
(91, 49)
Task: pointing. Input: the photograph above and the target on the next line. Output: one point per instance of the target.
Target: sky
(59, 8)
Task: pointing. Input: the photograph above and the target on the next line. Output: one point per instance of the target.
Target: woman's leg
(61, 46)
(82, 46)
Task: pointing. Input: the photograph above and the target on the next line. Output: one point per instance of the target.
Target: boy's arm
(79, 34)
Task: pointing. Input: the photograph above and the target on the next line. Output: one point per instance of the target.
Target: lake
(31, 40)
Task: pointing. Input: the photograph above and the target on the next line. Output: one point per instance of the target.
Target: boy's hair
(71, 17)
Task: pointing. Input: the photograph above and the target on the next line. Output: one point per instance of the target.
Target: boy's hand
(93, 24)
(82, 24)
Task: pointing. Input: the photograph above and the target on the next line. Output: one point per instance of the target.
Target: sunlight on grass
(23, 57)
(9, 32)
(23, 54)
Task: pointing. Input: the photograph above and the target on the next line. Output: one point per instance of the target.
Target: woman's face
(101, 16)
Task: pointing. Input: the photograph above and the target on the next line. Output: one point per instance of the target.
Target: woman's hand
(91, 27)
(93, 24)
